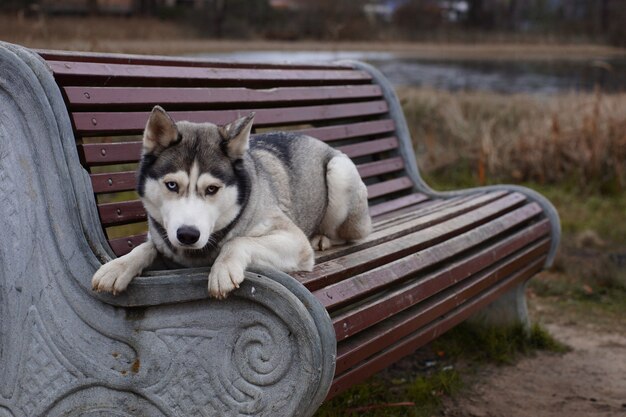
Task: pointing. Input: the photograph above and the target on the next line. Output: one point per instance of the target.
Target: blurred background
(522, 91)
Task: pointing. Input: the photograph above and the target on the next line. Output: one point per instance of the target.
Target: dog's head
(191, 178)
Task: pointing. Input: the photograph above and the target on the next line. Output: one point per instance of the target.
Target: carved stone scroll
(163, 348)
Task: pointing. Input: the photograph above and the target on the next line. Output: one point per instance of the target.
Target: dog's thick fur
(215, 197)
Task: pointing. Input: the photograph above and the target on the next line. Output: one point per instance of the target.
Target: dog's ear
(160, 131)
(237, 135)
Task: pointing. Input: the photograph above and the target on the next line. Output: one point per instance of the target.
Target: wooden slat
(396, 204)
(113, 182)
(101, 123)
(411, 225)
(121, 246)
(126, 181)
(356, 320)
(435, 316)
(134, 59)
(86, 96)
(95, 154)
(113, 214)
(387, 187)
(124, 152)
(360, 286)
(385, 166)
(411, 212)
(370, 147)
(358, 348)
(327, 273)
(352, 130)
(108, 74)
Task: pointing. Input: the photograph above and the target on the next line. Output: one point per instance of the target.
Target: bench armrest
(163, 346)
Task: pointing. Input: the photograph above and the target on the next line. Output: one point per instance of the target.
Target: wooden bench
(69, 143)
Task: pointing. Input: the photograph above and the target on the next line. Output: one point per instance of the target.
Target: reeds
(573, 139)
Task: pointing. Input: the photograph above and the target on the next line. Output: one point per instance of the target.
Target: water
(513, 76)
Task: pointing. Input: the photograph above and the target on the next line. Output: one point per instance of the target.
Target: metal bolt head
(87, 95)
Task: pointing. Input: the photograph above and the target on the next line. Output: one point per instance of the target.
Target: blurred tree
(229, 18)
(147, 7)
(15, 5)
(332, 19)
(614, 17)
(92, 7)
(415, 17)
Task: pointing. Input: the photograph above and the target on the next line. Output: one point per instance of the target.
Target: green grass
(597, 211)
(399, 393)
(499, 345)
(603, 214)
(417, 397)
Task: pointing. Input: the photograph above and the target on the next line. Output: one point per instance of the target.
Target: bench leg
(508, 310)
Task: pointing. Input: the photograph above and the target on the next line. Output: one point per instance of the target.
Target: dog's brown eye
(212, 189)
(172, 186)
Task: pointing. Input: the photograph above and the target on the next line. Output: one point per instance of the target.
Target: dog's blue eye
(212, 189)
(172, 186)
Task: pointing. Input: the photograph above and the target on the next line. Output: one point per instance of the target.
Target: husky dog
(215, 197)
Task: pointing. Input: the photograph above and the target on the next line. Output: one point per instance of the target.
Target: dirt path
(589, 381)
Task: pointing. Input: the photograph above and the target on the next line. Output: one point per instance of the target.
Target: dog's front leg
(115, 275)
(286, 250)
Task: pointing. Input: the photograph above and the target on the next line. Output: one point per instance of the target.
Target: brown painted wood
(431, 217)
(327, 273)
(133, 211)
(428, 219)
(385, 166)
(121, 246)
(366, 283)
(113, 182)
(410, 212)
(359, 348)
(439, 323)
(388, 187)
(87, 96)
(68, 72)
(352, 130)
(356, 320)
(126, 181)
(95, 154)
(134, 59)
(103, 123)
(392, 205)
(370, 147)
(114, 214)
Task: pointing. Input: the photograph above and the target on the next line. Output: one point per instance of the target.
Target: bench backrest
(109, 98)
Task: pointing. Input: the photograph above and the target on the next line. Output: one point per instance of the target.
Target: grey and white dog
(215, 197)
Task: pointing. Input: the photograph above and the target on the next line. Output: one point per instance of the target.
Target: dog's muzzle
(187, 235)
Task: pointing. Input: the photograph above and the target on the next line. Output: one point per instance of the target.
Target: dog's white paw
(321, 242)
(113, 277)
(224, 277)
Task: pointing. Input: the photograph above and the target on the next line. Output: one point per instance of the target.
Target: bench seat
(281, 344)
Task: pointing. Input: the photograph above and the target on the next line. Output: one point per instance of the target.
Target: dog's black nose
(187, 235)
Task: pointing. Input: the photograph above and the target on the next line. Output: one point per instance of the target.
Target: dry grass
(576, 140)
